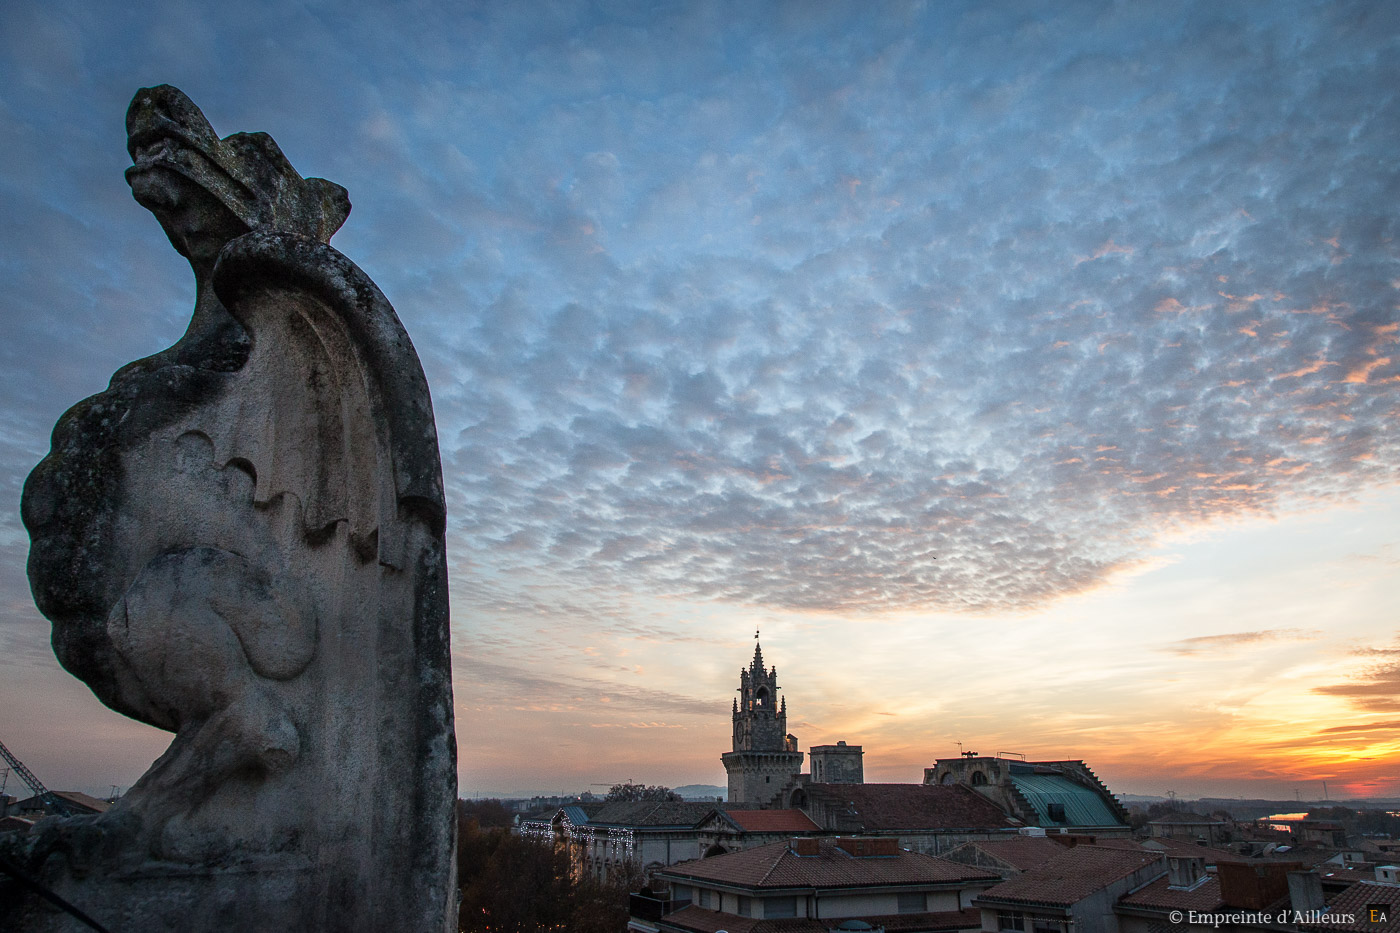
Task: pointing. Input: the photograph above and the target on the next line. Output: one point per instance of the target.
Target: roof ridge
(776, 862)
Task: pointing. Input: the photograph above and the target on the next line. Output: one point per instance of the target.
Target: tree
(1340, 814)
(487, 813)
(523, 886)
(514, 884)
(629, 792)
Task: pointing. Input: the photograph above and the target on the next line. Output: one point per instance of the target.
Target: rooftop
(1212, 855)
(1357, 901)
(778, 866)
(699, 920)
(1019, 852)
(1073, 876)
(895, 807)
(1160, 895)
(1083, 806)
(771, 821)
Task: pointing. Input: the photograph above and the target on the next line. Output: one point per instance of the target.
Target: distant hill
(701, 791)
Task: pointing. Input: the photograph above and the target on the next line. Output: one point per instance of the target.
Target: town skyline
(1029, 376)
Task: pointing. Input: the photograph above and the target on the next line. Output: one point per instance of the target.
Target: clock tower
(765, 756)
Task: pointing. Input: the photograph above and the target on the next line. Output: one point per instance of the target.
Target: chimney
(806, 845)
(1305, 891)
(1184, 872)
(1254, 886)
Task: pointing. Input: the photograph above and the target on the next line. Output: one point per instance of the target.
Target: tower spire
(765, 758)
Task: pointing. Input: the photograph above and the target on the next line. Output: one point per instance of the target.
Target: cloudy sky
(1029, 373)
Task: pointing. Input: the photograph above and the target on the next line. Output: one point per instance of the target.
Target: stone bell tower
(765, 756)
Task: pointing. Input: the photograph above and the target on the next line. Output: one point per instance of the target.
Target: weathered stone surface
(241, 541)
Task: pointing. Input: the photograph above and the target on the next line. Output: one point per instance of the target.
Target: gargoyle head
(206, 190)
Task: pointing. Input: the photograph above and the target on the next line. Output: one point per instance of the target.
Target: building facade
(849, 883)
(1059, 796)
(837, 764)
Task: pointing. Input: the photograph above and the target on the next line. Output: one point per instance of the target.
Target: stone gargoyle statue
(241, 541)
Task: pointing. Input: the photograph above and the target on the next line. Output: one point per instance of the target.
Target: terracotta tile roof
(83, 800)
(777, 866)
(1073, 876)
(1022, 852)
(1356, 901)
(1161, 896)
(772, 821)
(1335, 874)
(1018, 852)
(699, 920)
(894, 807)
(1212, 855)
(1309, 854)
(1121, 843)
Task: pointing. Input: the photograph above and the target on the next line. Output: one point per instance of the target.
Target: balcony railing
(652, 908)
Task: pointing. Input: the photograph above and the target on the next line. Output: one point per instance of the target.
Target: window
(704, 897)
(1056, 811)
(680, 892)
(912, 903)
(1012, 920)
(745, 906)
(1046, 925)
(780, 906)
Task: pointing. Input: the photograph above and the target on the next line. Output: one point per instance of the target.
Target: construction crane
(52, 802)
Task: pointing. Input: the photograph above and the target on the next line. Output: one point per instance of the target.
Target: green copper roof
(1083, 807)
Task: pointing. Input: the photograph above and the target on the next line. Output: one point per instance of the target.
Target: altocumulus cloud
(803, 306)
(959, 314)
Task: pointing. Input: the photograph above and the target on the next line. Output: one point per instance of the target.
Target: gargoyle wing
(353, 435)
